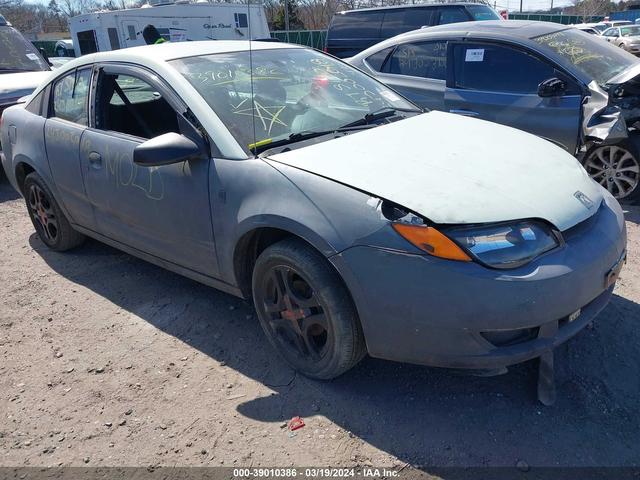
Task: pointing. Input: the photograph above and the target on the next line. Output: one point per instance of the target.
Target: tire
(50, 223)
(616, 167)
(306, 311)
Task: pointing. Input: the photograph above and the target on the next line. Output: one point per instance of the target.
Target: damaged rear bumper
(425, 310)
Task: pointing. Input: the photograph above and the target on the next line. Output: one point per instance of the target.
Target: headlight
(506, 245)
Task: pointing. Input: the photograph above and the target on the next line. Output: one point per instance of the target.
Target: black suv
(352, 31)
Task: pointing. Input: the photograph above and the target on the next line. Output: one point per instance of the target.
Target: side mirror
(44, 54)
(165, 150)
(552, 87)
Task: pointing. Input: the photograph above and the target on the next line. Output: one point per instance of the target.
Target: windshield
(294, 91)
(482, 12)
(17, 54)
(630, 31)
(597, 59)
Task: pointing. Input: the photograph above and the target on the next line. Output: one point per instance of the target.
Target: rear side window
(70, 96)
(402, 20)
(376, 61)
(424, 59)
(453, 15)
(35, 105)
(496, 68)
(356, 25)
(482, 12)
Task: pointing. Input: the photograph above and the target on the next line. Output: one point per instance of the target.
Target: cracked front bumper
(425, 310)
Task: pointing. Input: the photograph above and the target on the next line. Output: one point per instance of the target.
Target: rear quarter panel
(24, 145)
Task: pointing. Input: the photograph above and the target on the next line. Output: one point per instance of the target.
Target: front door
(163, 211)
(499, 83)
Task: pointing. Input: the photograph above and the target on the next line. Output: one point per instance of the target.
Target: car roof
(393, 7)
(172, 50)
(522, 29)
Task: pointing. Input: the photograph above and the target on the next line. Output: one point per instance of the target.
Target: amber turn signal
(431, 241)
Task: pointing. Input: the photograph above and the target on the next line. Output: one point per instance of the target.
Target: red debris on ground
(296, 423)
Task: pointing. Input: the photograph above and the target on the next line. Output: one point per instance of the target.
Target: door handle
(95, 160)
(466, 113)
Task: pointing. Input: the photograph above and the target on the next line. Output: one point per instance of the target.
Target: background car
(588, 28)
(545, 78)
(626, 37)
(278, 173)
(22, 68)
(352, 31)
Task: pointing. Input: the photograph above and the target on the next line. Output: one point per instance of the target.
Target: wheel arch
(255, 235)
(21, 170)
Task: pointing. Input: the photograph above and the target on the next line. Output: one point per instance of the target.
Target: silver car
(626, 37)
(544, 78)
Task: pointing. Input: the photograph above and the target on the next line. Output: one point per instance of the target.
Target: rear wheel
(50, 223)
(306, 311)
(617, 168)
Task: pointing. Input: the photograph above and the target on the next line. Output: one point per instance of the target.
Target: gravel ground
(108, 360)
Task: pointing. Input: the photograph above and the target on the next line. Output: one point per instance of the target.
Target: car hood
(624, 76)
(456, 170)
(16, 85)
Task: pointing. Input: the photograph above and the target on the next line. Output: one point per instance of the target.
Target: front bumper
(425, 310)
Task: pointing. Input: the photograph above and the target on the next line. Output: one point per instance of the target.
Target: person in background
(152, 36)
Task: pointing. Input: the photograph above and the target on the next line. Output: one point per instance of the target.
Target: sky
(512, 5)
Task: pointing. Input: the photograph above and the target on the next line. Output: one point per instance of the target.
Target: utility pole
(520, 6)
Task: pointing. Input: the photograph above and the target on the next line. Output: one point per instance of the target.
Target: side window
(356, 25)
(130, 105)
(496, 68)
(70, 95)
(241, 20)
(425, 59)
(376, 61)
(453, 15)
(402, 20)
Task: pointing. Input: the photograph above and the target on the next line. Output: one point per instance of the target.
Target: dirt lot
(107, 360)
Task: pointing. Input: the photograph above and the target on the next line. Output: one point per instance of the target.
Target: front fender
(255, 193)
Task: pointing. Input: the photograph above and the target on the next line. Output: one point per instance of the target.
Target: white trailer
(177, 22)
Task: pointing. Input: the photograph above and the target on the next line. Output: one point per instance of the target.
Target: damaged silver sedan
(551, 80)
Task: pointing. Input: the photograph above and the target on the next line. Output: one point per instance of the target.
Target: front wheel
(306, 311)
(616, 167)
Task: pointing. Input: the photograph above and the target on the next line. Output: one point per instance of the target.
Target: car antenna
(253, 106)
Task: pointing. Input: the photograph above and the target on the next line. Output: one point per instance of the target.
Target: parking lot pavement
(108, 360)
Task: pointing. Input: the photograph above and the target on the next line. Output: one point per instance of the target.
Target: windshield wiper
(379, 115)
(268, 144)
